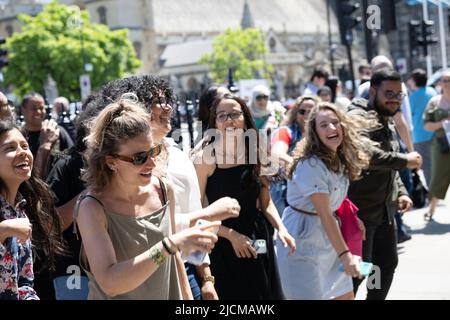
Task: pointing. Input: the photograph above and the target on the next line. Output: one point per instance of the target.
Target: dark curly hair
(145, 87)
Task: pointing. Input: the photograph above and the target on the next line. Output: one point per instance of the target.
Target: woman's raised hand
(198, 238)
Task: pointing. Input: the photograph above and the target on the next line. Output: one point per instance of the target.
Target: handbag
(351, 233)
(419, 192)
(437, 114)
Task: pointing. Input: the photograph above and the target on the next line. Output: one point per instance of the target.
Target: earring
(113, 169)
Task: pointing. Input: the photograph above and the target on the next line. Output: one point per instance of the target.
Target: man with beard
(380, 191)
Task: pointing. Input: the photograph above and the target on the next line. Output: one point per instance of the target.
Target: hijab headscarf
(260, 90)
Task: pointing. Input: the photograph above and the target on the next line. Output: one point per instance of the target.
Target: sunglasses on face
(141, 157)
(391, 95)
(302, 111)
(223, 116)
(262, 97)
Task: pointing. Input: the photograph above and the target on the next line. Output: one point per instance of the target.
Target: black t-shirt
(64, 178)
(65, 183)
(65, 141)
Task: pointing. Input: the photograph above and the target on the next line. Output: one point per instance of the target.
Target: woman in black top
(241, 272)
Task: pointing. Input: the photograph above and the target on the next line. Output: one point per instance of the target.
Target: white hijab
(258, 112)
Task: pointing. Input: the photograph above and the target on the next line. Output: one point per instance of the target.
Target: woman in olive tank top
(126, 219)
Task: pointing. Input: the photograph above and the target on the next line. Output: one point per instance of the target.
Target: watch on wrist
(208, 278)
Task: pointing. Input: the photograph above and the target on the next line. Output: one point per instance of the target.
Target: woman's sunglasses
(262, 97)
(141, 157)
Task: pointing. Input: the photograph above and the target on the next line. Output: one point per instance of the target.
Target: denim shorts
(193, 281)
(67, 288)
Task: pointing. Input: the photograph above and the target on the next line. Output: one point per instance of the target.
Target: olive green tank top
(130, 237)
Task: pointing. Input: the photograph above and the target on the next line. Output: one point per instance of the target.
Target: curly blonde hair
(117, 123)
(353, 155)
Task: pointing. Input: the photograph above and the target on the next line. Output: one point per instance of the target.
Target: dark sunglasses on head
(141, 157)
(261, 97)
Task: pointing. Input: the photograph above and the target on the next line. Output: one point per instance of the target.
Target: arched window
(9, 30)
(137, 48)
(193, 85)
(272, 44)
(102, 15)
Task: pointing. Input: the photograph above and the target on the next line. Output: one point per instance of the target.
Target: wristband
(167, 247)
(343, 252)
(208, 278)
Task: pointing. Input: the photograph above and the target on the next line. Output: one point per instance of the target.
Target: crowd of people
(118, 201)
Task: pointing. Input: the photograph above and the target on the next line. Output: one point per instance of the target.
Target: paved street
(423, 272)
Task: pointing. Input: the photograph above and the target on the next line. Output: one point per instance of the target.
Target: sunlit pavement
(423, 272)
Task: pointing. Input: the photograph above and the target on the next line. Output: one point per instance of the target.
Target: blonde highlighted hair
(291, 116)
(114, 125)
(352, 156)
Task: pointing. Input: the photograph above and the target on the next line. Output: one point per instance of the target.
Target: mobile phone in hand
(260, 246)
(197, 258)
(364, 268)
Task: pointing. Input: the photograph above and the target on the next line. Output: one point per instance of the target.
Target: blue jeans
(278, 192)
(405, 175)
(63, 292)
(193, 281)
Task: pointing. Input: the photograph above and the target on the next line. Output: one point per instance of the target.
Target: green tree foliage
(242, 50)
(58, 42)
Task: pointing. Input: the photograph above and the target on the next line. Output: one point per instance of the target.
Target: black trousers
(380, 248)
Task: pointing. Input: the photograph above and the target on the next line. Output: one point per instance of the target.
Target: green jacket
(377, 192)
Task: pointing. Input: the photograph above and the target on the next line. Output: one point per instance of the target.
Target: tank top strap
(77, 208)
(163, 186)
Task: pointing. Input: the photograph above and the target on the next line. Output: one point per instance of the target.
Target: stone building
(170, 35)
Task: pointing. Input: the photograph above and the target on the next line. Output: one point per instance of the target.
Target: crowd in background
(115, 197)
